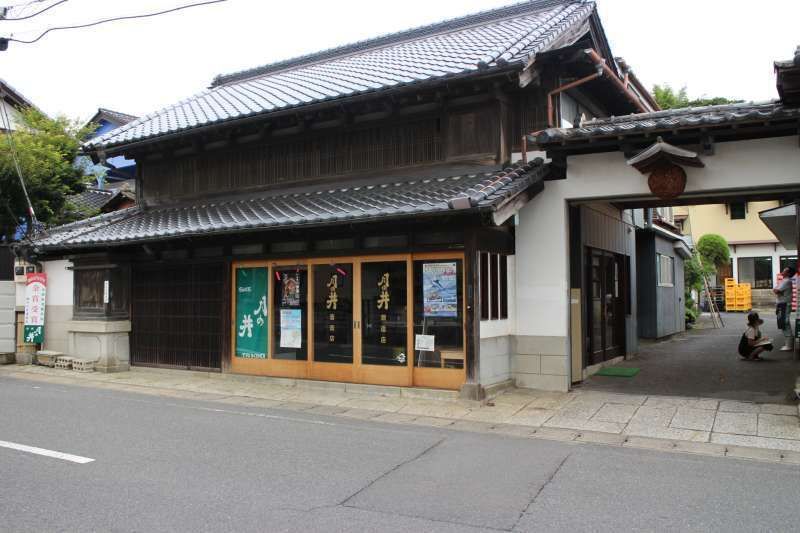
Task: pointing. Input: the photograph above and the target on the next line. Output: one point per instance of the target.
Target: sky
(713, 47)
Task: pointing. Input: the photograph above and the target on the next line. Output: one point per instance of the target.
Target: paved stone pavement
(704, 362)
(691, 424)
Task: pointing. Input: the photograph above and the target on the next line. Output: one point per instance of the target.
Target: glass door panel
(438, 312)
(290, 295)
(333, 313)
(384, 324)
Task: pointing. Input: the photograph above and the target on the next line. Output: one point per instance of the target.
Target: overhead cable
(112, 19)
(26, 17)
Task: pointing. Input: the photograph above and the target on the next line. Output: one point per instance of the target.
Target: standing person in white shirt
(783, 308)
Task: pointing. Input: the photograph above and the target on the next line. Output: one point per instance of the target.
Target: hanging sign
(35, 294)
(291, 328)
(439, 290)
(251, 313)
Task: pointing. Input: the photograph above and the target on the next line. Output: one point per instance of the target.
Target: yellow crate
(730, 281)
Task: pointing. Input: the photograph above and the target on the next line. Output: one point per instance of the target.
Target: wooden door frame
(356, 372)
(620, 305)
(443, 378)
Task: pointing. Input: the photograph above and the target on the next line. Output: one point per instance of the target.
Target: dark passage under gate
(178, 315)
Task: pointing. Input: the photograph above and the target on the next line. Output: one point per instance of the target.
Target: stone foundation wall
(495, 364)
(539, 362)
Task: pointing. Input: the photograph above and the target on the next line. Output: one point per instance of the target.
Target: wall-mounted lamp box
(101, 289)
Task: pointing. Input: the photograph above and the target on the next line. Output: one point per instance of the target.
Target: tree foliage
(669, 98)
(46, 149)
(713, 250)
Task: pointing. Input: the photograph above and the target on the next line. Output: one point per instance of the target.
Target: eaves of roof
(333, 204)
(670, 121)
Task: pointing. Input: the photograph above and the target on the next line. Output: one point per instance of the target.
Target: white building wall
(58, 311)
(58, 306)
(541, 345)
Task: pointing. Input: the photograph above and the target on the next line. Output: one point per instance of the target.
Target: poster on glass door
(291, 328)
(440, 290)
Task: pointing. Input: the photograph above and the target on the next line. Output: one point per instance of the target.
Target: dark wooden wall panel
(336, 153)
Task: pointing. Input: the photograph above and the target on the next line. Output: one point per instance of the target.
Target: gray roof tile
(458, 47)
(668, 120)
(324, 205)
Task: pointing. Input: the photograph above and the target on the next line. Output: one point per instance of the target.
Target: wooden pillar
(472, 388)
(225, 316)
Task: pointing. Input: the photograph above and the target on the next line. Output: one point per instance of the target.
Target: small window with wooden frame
(493, 285)
(101, 291)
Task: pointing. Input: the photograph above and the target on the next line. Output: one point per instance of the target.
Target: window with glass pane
(289, 319)
(788, 261)
(438, 311)
(383, 313)
(755, 270)
(666, 272)
(738, 211)
(333, 313)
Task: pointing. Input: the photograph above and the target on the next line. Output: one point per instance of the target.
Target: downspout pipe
(598, 60)
(602, 70)
(571, 85)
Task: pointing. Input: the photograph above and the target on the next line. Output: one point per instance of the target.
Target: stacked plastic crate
(738, 296)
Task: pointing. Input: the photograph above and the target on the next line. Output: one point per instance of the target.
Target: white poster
(424, 343)
(291, 328)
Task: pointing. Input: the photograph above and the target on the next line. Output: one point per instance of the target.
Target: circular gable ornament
(667, 181)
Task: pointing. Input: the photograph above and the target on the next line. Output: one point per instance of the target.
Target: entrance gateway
(740, 153)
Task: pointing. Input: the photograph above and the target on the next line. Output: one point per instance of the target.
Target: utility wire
(113, 19)
(12, 147)
(26, 17)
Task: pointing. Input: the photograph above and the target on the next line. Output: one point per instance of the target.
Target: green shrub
(713, 250)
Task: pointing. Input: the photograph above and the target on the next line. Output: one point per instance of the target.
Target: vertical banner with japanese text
(35, 295)
(251, 312)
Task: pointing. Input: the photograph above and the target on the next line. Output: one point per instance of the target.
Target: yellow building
(756, 255)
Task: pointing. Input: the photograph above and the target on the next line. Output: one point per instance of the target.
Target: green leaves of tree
(46, 149)
(668, 98)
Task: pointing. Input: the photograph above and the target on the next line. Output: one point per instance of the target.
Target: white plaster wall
(542, 262)
(58, 312)
(59, 282)
(740, 165)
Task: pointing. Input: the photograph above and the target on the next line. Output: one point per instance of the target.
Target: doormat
(618, 371)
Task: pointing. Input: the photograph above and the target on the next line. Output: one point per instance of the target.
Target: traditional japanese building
(351, 215)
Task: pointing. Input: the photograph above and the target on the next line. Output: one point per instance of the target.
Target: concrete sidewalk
(696, 425)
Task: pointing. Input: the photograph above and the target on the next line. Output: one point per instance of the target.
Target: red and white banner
(35, 297)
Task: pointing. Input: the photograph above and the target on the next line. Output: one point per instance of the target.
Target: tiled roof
(116, 116)
(669, 120)
(91, 199)
(502, 38)
(344, 203)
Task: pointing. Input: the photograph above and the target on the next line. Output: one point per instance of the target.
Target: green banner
(251, 312)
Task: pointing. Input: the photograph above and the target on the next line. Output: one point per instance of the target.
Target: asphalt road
(162, 464)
